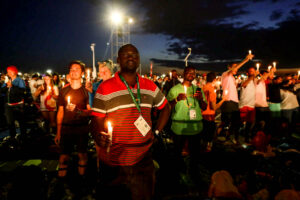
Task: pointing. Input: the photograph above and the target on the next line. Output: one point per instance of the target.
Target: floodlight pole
(186, 58)
(94, 74)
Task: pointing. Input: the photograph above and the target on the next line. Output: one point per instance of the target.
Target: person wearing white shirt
(261, 105)
(247, 102)
(289, 104)
(230, 108)
(33, 85)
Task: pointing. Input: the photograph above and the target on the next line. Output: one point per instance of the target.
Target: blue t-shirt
(91, 95)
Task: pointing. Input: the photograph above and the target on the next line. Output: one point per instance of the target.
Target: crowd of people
(125, 111)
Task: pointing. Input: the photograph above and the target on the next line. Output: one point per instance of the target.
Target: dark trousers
(263, 117)
(209, 129)
(129, 182)
(194, 147)
(230, 116)
(12, 114)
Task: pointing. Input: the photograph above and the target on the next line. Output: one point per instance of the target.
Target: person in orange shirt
(210, 112)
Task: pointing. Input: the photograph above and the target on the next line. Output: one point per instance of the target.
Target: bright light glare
(116, 17)
(49, 71)
(130, 20)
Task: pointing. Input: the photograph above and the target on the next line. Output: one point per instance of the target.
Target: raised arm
(239, 65)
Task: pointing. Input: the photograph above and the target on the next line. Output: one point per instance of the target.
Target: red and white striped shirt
(113, 101)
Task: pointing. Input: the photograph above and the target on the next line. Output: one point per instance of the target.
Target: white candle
(170, 75)
(257, 66)
(110, 130)
(250, 52)
(69, 99)
(185, 89)
(298, 73)
(63, 84)
(274, 64)
(88, 75)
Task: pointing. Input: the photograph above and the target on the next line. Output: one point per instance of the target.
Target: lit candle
(170, 75)
(88, 75)
(110, 130)
(250, 52)
(215, 91)
(269, 68)
(298, 73)
(63, 84)
(226, 92)
(185, 89)
(69, 99)
(257, 66)
(49, 88)
(274, 64)
(6, 79)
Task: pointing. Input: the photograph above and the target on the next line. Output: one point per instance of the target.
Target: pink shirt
(229, 84)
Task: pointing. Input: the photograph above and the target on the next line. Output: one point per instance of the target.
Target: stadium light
(116, 17)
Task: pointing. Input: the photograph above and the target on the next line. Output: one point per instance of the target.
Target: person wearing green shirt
(187, 101)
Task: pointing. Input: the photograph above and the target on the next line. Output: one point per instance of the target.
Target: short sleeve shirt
(181, 122)
(261, 95)
(80, 98)
(229, 84)
(210, 96)
(113, 101)
(248, 95)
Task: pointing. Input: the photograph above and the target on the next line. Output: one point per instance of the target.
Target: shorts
(247, 114)
(72, 136)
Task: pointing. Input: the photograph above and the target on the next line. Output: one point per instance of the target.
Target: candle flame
(226, 92)
(250, 52)
(257, 66)
(269, 68)
(185, 89)
(69, 99)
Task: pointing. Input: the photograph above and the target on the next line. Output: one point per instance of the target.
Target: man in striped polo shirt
(125, 101)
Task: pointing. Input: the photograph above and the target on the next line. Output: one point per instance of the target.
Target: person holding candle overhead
(48, 94)
(247, 102)
(230, 109)
(126, 101)
(72, 120)
(187, 101)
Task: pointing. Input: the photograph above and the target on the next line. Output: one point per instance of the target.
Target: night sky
(38, 35)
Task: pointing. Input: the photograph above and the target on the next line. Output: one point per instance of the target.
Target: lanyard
(138, 101)
(187, 101)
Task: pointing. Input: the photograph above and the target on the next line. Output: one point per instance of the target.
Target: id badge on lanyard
(141, 124)
(192, 113)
